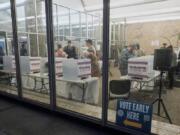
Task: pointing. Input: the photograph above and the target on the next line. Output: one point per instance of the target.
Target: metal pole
(29, 45)
(50, 46)
(70, 28)
(16, 48)
(7, 46)
(36, 27)
(125, 26)
(160, 90)
(57, 25)
(105, 47)
(86, 26)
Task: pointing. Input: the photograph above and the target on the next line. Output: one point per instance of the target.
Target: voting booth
(77, 82)
(30, 64)
(44, 65)
(141, 67)
(76, 69)
(58, 65)
(9, 63)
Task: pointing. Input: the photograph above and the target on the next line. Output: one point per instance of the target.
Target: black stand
(160, 102)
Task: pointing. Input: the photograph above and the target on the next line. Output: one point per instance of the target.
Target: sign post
(134, 115)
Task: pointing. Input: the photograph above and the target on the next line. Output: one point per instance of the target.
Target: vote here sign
(134, 115)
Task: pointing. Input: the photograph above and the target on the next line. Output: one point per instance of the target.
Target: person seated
(60, 52)
(70, 50)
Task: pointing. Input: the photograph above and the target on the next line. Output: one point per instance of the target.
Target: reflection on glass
(8, 81)
(90, 26)
(41, 20)
(27, 13)
(75, 23)
(33, 44)
(78, 77)
(42, 45)
(63, 21)
(55, 21)
(132, 44)
(33, 51)
(23, 41)
(83, 25)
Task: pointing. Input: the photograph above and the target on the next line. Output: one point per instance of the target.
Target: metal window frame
(50, 48)
(16, 47)
(106, 18)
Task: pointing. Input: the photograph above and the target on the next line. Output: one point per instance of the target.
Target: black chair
(119, 89)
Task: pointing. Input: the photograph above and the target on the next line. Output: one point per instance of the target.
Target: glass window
(41, 18)
(134, 38)
(33, 44)
(55, 21)
(33, 53)
(78, 64)
(75, 23)
(24, 38)
(96, 27)
(26, 13)
(90, 26)
(42, 45)
(64, 21)
(83, 25)
(8, 81)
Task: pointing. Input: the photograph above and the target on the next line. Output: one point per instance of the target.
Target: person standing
(123, 61)
(172, 69)
(138, 52)
(90, 46)
(60, 52)
(95, 69)
(23, 50)
(70, 50)
(164, 45)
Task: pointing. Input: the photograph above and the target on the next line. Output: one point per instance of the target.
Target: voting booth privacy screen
(134, 115)
(141, 67)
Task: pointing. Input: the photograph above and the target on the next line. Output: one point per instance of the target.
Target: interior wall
(151, 35)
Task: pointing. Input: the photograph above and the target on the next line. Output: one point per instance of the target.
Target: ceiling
(137, 10)
(131, 10)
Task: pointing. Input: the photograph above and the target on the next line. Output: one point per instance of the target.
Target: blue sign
(2, 44)
(134, 115)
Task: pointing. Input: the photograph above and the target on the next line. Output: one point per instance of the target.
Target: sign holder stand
(160, 102)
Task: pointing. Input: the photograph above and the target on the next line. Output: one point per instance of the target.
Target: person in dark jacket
(172, 69)
(23, 50)
(70, 50)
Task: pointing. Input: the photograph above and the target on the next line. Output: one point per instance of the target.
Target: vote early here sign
(134, 115)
